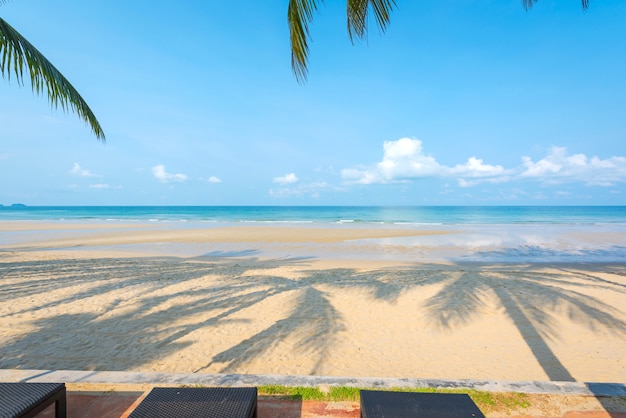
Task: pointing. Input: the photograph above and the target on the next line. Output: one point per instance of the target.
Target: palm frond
(529, 3)
(299, 15)
(357, 13)
(16, 53)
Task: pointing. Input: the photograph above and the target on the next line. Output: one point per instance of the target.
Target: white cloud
(404, 160)
(310, 189)
(165, 177)
(77, 170)
(479, 172)
(354, 175)
(559, 167)
(474, 167)
(286, 179)
(99, 186)
(214, 179)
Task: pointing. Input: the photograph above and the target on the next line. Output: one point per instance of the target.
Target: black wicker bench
(378, 404)
(198, 402)
(26, 400)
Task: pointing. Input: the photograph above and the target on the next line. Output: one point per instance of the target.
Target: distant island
(14, 205)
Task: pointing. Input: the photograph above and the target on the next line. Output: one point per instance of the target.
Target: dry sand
(129, 297)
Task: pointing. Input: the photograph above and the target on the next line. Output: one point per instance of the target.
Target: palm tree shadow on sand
(311, 321)
(530, 300)
(156, 328)
(151, 323)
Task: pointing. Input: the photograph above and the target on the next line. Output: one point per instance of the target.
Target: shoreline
(458, 244)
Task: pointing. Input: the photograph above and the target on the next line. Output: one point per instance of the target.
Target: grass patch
(486, 401)
(499, 401)
(292, 392)
(306, 393)
(340, 393)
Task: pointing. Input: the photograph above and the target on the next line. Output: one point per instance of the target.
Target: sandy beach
(299, 300)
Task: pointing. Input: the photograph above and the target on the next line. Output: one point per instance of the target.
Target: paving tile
(88, 405)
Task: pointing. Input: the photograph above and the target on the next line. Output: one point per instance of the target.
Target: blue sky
(459, 102)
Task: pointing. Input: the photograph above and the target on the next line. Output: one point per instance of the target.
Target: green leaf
(16, 53)
(357, 13)
(299, 15)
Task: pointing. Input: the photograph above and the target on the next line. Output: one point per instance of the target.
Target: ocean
(401, 215)
(472, 233)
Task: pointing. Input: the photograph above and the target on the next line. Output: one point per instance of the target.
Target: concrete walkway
(174, 379)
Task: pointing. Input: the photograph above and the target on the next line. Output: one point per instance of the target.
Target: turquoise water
(418, 215)
(485, 234)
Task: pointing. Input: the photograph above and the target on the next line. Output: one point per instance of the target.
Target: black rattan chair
(26, 400)
(378, 404)
(198, 402)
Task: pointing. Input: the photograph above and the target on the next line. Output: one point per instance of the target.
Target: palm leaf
(299, 15)
(358, 11)
(529, 3)
(16, 53)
